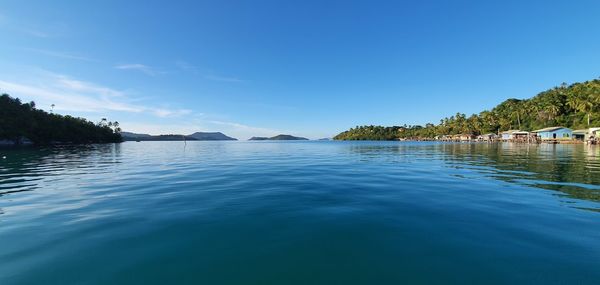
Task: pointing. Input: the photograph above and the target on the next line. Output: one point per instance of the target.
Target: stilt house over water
(586, 135)
(515, 135)
(554, 133)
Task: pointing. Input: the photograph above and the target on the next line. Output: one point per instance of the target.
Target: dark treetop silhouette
(22, 123)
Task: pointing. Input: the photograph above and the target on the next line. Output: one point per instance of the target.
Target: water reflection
(573, 170)
(237, 212)
(23, 168)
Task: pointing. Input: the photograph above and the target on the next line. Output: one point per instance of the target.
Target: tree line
(20, 122)
(574, 106)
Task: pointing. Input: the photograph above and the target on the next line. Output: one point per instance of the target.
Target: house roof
(511, 131)
(550, 129)
(515, 132)
(585, 131)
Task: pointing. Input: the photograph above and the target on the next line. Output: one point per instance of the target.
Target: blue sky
(309, 68)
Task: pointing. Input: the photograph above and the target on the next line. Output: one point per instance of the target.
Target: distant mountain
(258, 139)
(287, 138)
(279, 138)
(198, 136)
(214, 136)
(134, 135)
(145, 137)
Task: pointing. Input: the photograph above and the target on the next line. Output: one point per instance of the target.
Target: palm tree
(552, 110)
(595, 96)
(586, 106)
(116, 126)
(579, 103)
(518, 118)
(489, 120)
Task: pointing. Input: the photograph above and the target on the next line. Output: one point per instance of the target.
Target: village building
(487, 137)
(586, 135)
(594, 136)
(465, 137)
(555, 134)
(515, 136)
(446, 138)
(581, 135)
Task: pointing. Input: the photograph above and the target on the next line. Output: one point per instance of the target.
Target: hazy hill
(198, 136)
(134, 135)
(211, 136)
(278, 138)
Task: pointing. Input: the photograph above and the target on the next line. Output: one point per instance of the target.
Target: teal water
(300, 213)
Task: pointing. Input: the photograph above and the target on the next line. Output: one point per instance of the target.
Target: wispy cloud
(86, 87)
(73, 95)
(139, 67)
(58, 54)
(163, 113)
(65, 99)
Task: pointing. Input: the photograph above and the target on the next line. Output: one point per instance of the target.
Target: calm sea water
(300, 213)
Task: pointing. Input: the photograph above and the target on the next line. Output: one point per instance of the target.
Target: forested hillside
(22, 122)
(574, 106)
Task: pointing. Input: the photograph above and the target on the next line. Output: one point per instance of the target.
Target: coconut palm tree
(116, 126)
(552, 110)
(580, 103)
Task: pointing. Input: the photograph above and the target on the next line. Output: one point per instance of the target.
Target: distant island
(573, 106)
(23, 124)
(197, 136)
(278, 138)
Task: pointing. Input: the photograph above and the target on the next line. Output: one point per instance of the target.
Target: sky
(306, 68)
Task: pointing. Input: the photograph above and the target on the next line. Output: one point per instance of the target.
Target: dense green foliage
(574, 106)
(19, 121)
(370, 133)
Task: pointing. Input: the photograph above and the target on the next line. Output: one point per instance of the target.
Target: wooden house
(515, 136)
(487, 137)
(555, 134)
(466, 137)
(586, 134)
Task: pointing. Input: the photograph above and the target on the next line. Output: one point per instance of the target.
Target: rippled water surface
(300, 213)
